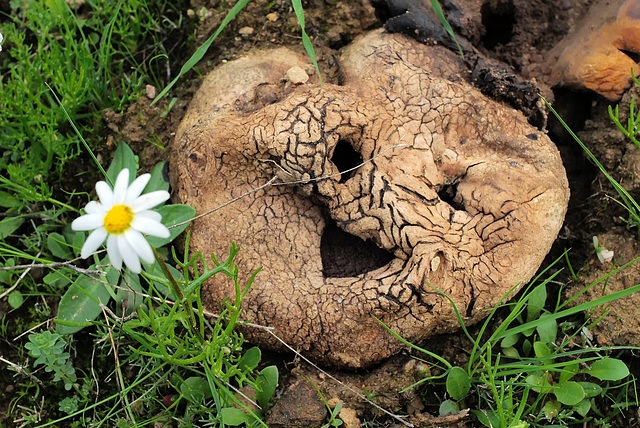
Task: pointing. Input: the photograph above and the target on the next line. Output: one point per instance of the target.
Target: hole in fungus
(633, 55)
(345, 158)
(447, 193)
(345, 255)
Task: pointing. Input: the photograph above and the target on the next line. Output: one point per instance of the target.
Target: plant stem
(179, 295)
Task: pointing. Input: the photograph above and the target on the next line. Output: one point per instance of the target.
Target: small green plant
(443, 20)
(527, 371)
(630, 131)
(68, 405)
(49, 350)
(334, 420)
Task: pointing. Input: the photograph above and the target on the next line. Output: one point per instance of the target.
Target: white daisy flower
(122, 216)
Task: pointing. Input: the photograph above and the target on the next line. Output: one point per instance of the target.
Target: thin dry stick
(288, 183)
(32, 329)
(113, 345)
(119, 377)
(21, 370)
(362, 397)
(267, 184)
(169, 302)
(116, 318)
(57, 265)
(93, 373)
(13, 287)
(159, 300)
(237, 391)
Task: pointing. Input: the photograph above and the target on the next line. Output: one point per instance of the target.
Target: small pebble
(333, 402)
(150, 91)
(273, 17)
(350, 418)
(246, 31)
(296, 75)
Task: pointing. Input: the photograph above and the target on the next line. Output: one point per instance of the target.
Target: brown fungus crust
(601, 53)
(471, 204)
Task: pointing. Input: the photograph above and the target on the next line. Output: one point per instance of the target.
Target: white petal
(149, 200)
(95, 207)
(114, 252)
(149, 215)
(137, 187)
(105, 194)
(120, 188)
(88, 222)
(129, 256)
(140, 245)
(150, 227)
(93, 242)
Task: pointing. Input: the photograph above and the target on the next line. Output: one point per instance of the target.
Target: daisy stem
(179, 294)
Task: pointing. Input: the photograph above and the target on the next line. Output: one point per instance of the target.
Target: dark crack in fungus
(471, 204)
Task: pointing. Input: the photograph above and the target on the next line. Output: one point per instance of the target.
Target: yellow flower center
(118, 219)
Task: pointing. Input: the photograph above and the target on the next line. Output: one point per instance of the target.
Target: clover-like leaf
(458, 383)
(609, 369)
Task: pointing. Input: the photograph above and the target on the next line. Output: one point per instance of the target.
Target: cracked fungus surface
(471, 204)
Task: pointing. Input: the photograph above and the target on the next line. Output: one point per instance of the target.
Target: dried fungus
(398, 180)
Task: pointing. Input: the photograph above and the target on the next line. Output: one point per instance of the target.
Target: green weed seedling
(334, 420)
(630, 131)
(528, 372)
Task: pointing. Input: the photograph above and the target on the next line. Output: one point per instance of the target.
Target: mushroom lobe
(401, 182)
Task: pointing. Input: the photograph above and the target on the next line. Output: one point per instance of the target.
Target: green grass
(124, 350)
(537, 366)
(88, 64)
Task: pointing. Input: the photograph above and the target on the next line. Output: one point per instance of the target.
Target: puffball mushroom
(450, 190)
